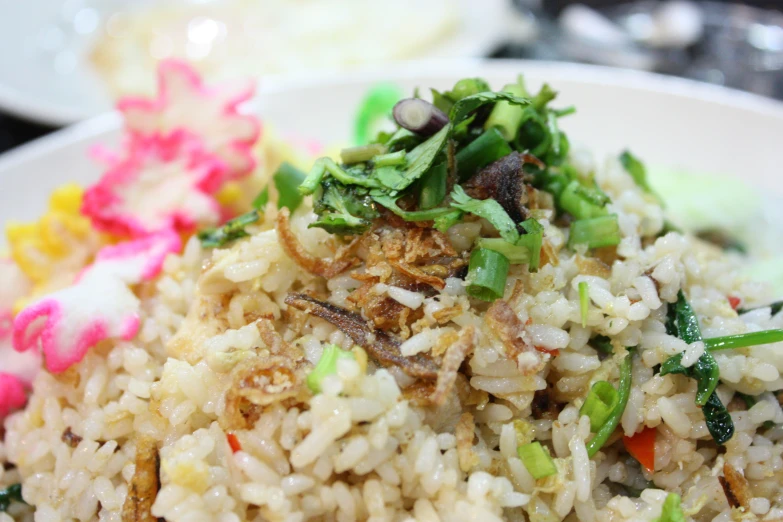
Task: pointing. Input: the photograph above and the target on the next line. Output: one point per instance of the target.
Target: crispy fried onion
(145, 483)
(343, 258)
(271, 377)
(381, 347)
(735, 487)
(452, 360)
(465, 433)
(503, 322)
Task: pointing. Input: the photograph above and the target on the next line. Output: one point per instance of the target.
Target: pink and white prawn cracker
(99, 306)
(186, 105)
(162, 183)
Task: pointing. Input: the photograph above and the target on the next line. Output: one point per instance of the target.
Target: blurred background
(66, 60)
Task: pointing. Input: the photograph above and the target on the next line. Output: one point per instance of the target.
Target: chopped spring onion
(623, 392)
(584, 302)
(595, 232)
(433, 186)
(744, 340)
(482, 151)
(361, 153)
(287, 179)
(487, 272)
(391, 159)
(10, 494)
(327, 365)
(599, 404)
(583, 202)
(526, 250)
(467, 87)
(671, 510)
(507, 117)
(375, 107)
(636, 169)
(537, 460)
(262, 199)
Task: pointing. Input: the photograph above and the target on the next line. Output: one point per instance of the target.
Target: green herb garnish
(327, 365)
(671, 511)
(233, 229)
(10, 494)
(601, 401)
(595, 232)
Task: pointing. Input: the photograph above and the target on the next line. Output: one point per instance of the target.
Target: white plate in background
(46, 74)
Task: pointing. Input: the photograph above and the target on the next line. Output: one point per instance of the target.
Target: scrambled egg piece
(54, 249)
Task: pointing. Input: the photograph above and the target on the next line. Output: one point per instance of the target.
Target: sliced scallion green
(584, 302)
(487, 273)
(361, 153)
(262, 199)
(583, 202)
(601, 401)
(595, 232)
(623, 392)
(327, 365)
(537, 460)
(287, 180)
(526, 250)
(505, 116)
(482, 151)
(728, 342)
(392, 159)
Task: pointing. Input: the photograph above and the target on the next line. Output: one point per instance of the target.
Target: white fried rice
(359, 450)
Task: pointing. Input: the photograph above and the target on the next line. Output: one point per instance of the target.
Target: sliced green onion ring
(584, 302)
(327, 365)
(599, 404)
(611, 423)
(487, 273)
(595, 232)
(537, 460)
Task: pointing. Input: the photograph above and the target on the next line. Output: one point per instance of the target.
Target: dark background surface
(15, 131)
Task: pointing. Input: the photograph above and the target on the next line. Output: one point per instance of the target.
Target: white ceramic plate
(45, 74)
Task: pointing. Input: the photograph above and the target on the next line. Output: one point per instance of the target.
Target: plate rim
(101, 125)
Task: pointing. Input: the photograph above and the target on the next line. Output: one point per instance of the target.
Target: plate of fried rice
(436, 293)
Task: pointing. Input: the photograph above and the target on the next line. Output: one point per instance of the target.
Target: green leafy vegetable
(487, 273)
(322, 166)
(671, 511)
(375, 107)
(705, 371)
(343, 210)
(623, 392)
(728, 342)
(287, 179)
(420, 160)
(595, 232)
(464, 107)
(413, 215)
(584, 302)
(488, 209)
(599, 404)
(537, 460)
(233, 229)
(10, 494)
(433, 187)
(482, 151)
(327, 365)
